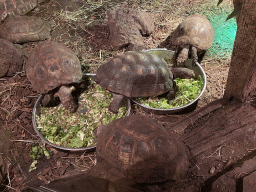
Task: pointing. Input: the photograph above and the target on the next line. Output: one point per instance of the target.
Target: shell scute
(136, 72)
(54, 65)
(21, 29)
(16, 7)
(196, 30)
(141, 149)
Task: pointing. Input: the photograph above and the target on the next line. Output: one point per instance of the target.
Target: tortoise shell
(136, 74)
(142, 150)
(51, 65)
(11, 58)
(196, 30)
(21, 29)
(16, 7)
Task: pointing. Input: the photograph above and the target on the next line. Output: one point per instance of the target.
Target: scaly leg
(183, 56)
(115, 104)
(194, 55)
(66, 98)
(171, 94)
(47, 99)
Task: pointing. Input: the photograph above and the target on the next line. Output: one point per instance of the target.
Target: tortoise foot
(47, 99)
(183, 55)
(171, 94)
(194, 56)
(67, 99)
(183, 73)
(115, 104)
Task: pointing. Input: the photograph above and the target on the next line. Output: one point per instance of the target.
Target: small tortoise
(135, 74)
(17, 7)
(12, 58)
(53, 67)
(195, 33)
(142, 150)
(21, 29)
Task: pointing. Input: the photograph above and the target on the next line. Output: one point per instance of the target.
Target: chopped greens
(188, 90)
(37, 151)
(75, 130)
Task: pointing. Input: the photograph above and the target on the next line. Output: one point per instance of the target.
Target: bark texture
(223, 145)
(241, 82)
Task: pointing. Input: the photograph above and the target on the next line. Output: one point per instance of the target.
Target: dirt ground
(88, 38)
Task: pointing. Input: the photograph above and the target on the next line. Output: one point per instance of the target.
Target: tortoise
(17, 7)
(21, 29)
(196, 34)
(142, 150)
(12, 58)
(132, 153)
(51, 69)
(136, 74)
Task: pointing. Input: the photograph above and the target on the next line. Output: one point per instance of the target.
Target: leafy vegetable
(37, 151)
(75, 130)
(33, 166)
(188, 90)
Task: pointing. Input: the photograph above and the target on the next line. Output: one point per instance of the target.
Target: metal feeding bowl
(36, 111)
(198, 70)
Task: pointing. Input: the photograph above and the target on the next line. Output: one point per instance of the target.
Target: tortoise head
(97, 131)
(3, 14)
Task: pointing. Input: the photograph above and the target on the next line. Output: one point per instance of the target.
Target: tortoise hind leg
(66, 98)
(115, 104)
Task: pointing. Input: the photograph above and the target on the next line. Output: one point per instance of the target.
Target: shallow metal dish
(36, 111)
(168, 54)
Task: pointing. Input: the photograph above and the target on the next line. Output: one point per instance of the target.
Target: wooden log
(221, 141)
(242, 73)
(182, 124)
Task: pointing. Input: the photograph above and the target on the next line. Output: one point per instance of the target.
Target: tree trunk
(241, 82)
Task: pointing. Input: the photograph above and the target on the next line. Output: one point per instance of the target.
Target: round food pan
(36, 111)
(198, 70)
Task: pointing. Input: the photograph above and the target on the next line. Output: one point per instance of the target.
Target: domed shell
(50, 65)
(16, 7)
(136, 74)
(142, 149)
(21, 29)
(196, 30)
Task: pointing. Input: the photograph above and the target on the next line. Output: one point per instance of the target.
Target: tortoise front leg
(171, 94)
(194, 55)
(47, 99)
(183, 55)
(66, 98)
(115, 104)
(182, 73)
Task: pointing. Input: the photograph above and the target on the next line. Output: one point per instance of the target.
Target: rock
(11, 58)
(128, 27)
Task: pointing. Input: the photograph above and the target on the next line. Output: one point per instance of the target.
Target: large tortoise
(136, 74)
(142, 150)
(196, 34)
(52, 67)
(21, 29)
(132, 154)
(17, 7)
